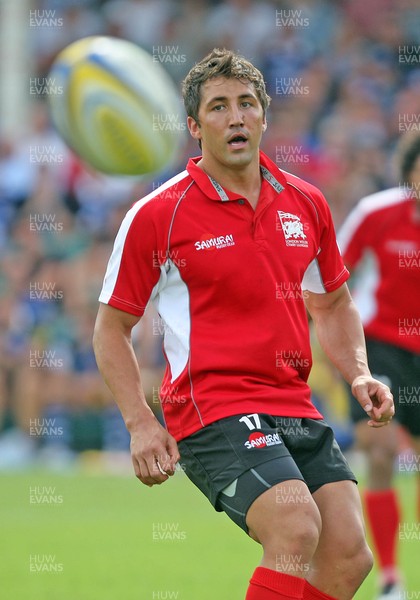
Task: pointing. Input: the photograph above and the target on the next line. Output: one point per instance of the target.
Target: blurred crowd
(344, 83)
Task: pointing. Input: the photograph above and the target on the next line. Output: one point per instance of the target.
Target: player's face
(231, 123)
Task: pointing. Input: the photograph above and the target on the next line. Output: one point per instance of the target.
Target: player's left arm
(340, 333)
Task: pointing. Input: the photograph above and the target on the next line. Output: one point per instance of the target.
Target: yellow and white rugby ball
(117, 109)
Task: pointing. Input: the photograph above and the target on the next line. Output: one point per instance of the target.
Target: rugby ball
(116, 107)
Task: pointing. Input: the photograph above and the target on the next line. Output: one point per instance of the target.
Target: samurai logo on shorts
(292, 229)
(258, 439)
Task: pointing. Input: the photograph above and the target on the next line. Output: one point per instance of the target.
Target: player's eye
(218, 107)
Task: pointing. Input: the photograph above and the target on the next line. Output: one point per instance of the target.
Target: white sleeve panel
(114, 262)
(312, 280)
(172, 301)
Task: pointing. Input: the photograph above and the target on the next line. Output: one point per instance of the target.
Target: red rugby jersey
(381, 240)
(228, 284)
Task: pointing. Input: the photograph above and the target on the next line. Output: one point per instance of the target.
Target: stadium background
(345, 83)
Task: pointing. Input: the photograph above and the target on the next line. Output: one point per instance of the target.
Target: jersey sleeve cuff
(331, 286)
(123, 305)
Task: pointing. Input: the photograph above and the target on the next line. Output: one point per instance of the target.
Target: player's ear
(194, 128)
(264, 124)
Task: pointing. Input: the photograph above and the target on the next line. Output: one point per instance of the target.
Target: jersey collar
(213, 190)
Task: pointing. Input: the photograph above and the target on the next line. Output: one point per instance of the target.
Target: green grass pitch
(83, 537)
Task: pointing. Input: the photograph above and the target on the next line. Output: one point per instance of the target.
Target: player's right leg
(288, 531)
(244, 468)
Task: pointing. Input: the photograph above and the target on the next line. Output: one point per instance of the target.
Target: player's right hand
(154, 453)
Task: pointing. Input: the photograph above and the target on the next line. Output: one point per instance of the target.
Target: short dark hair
(221, 63)
(407, 153)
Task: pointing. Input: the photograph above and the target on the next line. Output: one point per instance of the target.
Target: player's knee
(355, 563)
(286, 521)
(361, 566)
(304, 536)
(298, 535)
(367, 561)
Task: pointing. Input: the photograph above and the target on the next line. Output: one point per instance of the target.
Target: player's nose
(236, 116)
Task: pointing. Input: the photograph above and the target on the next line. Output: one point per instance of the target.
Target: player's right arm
(153, 449)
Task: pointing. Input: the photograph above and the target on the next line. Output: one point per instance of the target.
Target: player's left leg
(342, 559)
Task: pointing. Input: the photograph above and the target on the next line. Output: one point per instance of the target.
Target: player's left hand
(375, 398)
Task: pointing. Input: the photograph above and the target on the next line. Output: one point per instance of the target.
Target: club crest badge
(292, 227)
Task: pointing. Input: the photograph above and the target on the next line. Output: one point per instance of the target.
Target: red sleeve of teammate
(330, 262)
(355, 236)
(133, 269)
(326, 272)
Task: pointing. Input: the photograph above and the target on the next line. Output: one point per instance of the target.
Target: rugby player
(380, 241)
(215, 249)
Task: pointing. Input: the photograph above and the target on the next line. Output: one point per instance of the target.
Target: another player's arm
(340, 333)
(154, 451)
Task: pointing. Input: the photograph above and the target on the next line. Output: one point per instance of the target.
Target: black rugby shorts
(235, 460)
(400, 369)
